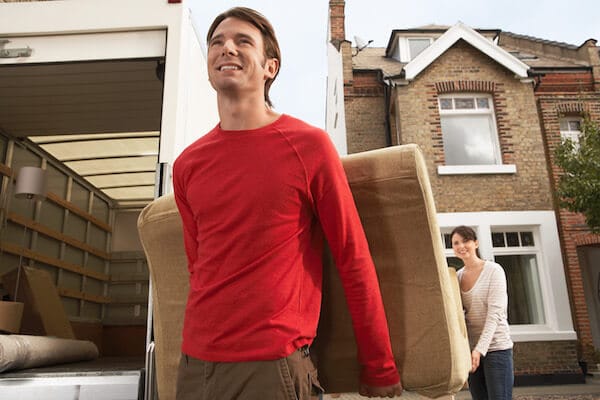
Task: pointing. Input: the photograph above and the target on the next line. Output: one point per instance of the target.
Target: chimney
(336, 21)
(593, 55)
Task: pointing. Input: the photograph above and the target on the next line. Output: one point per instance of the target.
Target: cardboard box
(11, 313)
(43, 312)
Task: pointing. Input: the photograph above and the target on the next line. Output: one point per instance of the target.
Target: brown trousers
(290, 378)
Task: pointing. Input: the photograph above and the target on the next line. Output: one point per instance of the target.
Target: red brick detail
(573, 82)
(587, 239)
(465, 86)
(571, 108)
(499, 99)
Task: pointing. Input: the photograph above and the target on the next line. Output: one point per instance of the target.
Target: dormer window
(409, 47)
(417, 45)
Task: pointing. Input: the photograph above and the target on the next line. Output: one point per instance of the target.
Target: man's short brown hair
(271, 46)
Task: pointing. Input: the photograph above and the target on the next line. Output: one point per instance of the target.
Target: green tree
(579, 185)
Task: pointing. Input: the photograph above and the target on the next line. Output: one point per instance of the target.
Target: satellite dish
(361, 43)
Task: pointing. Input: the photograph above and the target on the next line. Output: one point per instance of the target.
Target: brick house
(567, 89)
(432, 85)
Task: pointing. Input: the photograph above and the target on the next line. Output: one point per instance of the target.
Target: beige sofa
(393, 196)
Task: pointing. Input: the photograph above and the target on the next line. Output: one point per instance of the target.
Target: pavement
(588, 391)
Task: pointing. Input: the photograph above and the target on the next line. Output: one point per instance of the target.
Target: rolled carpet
(28, 351)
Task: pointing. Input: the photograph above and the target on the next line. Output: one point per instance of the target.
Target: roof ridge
(545, 41)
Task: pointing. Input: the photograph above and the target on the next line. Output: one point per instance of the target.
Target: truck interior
(94, 127)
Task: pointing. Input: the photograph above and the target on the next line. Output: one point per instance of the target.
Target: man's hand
(380, 391)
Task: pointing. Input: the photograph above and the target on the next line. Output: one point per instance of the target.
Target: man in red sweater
(258, 195)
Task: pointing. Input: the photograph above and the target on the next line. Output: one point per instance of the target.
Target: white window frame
(497, 167)
(522, 250)
(558, 323)
(402, 52)
(572, 134)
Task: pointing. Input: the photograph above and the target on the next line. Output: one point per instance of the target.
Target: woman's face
(464, 249)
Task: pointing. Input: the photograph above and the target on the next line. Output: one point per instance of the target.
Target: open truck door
(103, 96)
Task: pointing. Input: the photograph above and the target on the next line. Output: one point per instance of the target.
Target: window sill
(539, 333)
(476, 169)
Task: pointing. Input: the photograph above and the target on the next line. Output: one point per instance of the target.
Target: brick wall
(463, 68)
(337, 20)
(573, 230)
(541, 358)
(365, 112)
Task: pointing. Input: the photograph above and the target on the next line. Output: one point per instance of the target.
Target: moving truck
(102, 95)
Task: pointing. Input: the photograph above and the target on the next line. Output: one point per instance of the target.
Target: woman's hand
(475, 358)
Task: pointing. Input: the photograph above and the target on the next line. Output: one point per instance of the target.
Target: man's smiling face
(236, 58)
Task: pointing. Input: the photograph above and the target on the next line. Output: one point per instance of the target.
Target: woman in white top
(485, 301)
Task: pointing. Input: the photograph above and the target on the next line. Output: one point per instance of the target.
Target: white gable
(451, 36)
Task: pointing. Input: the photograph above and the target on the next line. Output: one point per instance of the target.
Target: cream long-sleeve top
(486, 305)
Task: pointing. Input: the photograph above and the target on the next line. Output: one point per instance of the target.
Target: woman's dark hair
(271, 46)
(467, 233)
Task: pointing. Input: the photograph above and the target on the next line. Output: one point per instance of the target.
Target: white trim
(335, 119)
(476, 169)
(85, 47)
(66, 17)
(555, 297)
(535, 333)
(451, 36)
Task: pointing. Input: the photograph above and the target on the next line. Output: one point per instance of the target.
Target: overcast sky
(301, 28)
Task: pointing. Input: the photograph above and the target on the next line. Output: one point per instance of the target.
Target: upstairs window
(417, 45)
(570, 128)
(469, 130)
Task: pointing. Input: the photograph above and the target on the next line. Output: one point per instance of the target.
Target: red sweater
(254, 206)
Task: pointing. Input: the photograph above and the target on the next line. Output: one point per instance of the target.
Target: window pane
(463, 103)
(446, 104)
(498, 239)
(447, 241)
(468, 140)
(483, 102)
(524, 293)
(564, 125)
(416, 46)
(574, 125)
(512, 239)
(527, 239)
